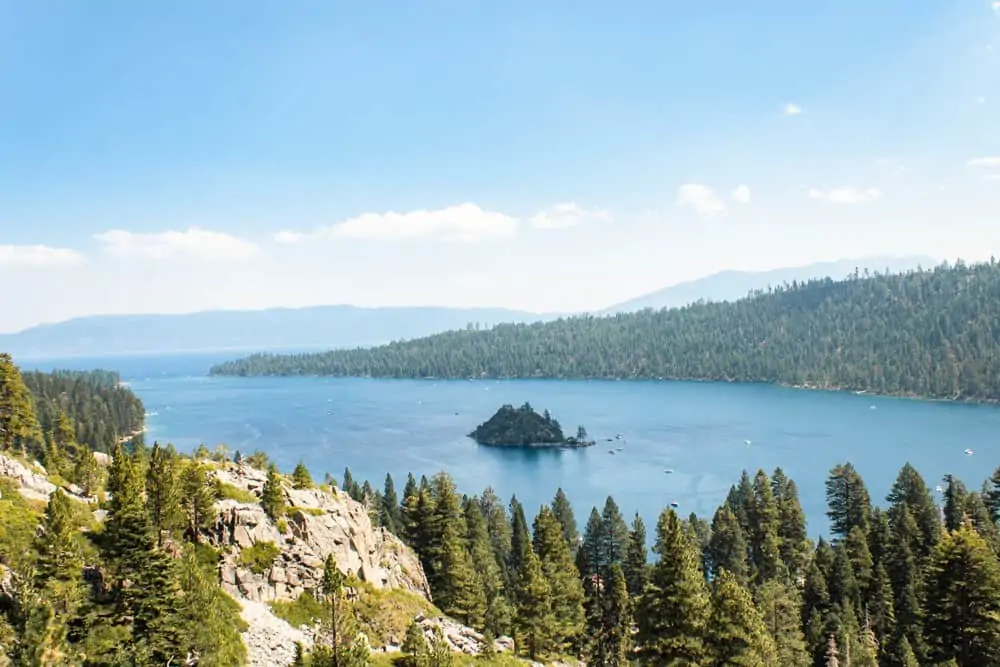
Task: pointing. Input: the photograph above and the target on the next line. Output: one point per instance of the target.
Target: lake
(706, 432)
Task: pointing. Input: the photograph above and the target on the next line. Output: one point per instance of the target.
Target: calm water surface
(706, 432)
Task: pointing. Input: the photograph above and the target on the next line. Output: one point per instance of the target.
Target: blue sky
(184, 155)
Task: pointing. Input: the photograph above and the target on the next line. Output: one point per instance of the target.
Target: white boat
(669, 471)
(939, 488)
(968, 452)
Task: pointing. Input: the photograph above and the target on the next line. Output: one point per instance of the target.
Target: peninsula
(523, 427)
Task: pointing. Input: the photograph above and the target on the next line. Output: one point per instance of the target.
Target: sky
(544, 155)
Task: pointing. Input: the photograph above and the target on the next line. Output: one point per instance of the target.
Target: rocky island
(523, 427)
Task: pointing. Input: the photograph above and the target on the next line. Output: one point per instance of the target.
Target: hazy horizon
(166, 158)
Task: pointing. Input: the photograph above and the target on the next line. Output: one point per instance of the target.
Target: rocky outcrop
(318, 523)
(31, 482)
(461, 637)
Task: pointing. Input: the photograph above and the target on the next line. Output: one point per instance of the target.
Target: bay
(706, 433)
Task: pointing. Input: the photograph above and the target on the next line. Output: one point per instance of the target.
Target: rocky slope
(318, 523)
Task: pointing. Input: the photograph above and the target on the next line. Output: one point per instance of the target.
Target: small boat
(675, 504)
(618, 437)
(939, 488)
(618, 449)
(611, 439)
(747, 443)
(871, 407)
(611, 451)
(968, 452)
(669, 471)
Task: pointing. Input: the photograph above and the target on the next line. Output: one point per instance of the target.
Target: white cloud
(566, 215)
(792, 109)
(38, 255)
(741, 194)
(465, 223)
(980, 100)
(990, 162)
(195, 243)
(846, 195)
(701, 198)
(996, 6)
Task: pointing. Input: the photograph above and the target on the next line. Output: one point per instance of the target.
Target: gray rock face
(33, 482)
(317, 524)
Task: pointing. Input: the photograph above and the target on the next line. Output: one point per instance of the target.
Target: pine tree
(614, 535)
(342, 645)
(635, 565)
(18, 424)
(533, 618)
(198, 499)
(673, 611)
(955, 497)
(498, 612)
(905, 657)
(564, 513)
(566, 590)
(992, 495)
(414, 647)
(962, 585)
(736, 634)
(910, 490)
(498, 525)
(390, 515)
(848, 502)
(700, 532)
(86, 473)
(301, 479)
(588, 556)
(904, 576)
(457, 589)
(765, 521)
(440, 654)
(520, 538)
(210, 618)
(163, 492)
(611, 644)
(272, 498)
(792, 536)
(780, 609)
(727, 549)
(350, 486)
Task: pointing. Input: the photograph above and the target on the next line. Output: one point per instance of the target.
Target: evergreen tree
(780, 609)
(910, 490)
(736, 634)
(352, 488)
(566, 590)
(904, 655)
(520, 538)
(498, 525)
(792, 537)
(211, 620)
(701, 536)
(564, 513)
(765, 522)
(498, 612)
(614, 535)
(635, 567)
(991, 495)
(963, 600)
(414, 647)
(955, 501)
(673, 611)
(272, 498)
(86, 473)
(301, 479)
(390, 514)
(457, 589)
(199, 498)
(848, 502)
(533, 620)
(588, 556)
(727, 549)
(611, 643)
(342, 645)
(440, 654)
(19, 426)
(163, 492)
(904, 576)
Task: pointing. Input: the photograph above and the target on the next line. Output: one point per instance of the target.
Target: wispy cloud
(567, 215)
(846, 195)
(466, 223)
(741, 194)
(792, 109)
(989, 162)
(38, 255)
(194, 243)
(701, 198)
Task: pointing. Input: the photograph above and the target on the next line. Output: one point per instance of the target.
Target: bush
(260, 557)
(304, 610)
(227, 491)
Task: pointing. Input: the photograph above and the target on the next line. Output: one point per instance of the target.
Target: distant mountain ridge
(732, 285)
(326, 327)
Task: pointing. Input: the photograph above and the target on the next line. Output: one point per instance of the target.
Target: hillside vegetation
(924, 333)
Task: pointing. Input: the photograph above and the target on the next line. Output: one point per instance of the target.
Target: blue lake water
(700, 430)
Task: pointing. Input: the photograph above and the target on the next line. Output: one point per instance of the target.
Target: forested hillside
(101, 409)
(924, 333)
(914, 580)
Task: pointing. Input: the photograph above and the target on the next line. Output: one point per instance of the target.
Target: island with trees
(925, 333)
(523, 427)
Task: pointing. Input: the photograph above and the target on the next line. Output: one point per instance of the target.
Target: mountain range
(340, 326)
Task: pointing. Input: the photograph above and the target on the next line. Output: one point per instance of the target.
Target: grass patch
(18, 521)
(314, 511)
(227, 491)
(388, 612)
(260, 557)
(207, 556)
(304, 610)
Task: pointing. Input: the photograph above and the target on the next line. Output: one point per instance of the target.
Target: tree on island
(523, 427)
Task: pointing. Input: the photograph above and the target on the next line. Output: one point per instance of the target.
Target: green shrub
(304, 610)
(260, 557)
(227, 491)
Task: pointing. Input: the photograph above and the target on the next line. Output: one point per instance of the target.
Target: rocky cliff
(318, 523)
